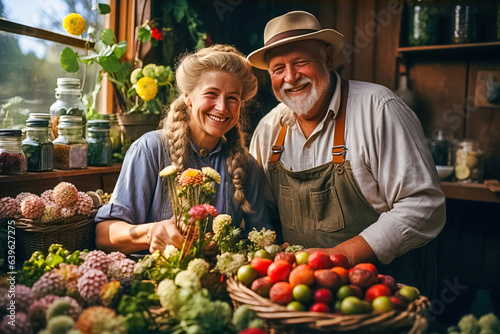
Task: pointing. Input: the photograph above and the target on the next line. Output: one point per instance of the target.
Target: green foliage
(39, 264)
(469, 324)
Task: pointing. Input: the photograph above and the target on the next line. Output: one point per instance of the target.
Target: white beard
(302, 105)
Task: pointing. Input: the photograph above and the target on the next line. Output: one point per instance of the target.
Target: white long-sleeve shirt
(390, 161)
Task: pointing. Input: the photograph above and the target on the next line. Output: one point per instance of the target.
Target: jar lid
(10, 133)
(111, 117)
(37, 122)
(39, 115)
(98, 124)
(72, 83)
(66, 121)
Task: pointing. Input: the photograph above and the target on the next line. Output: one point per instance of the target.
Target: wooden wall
(444, 82)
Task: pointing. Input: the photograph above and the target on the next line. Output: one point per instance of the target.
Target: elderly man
(347, 160)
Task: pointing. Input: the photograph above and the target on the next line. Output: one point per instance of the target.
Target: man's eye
(302, 63)
(278, 70)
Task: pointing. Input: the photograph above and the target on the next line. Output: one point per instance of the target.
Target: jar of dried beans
(12, 158)
(70, 148)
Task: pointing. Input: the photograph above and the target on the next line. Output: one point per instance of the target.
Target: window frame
(122, 20)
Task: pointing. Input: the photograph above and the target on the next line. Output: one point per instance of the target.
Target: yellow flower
(191, 177)
(74, 24)
(146, 88)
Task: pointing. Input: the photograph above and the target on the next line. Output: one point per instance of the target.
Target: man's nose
(291, 74)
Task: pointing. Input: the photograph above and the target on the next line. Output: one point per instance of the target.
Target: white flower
(263, 237)
(229, 263)
(220, 222)
(187, 278)
(167, 171)
(211, 174)
(170, 251)
(166, 290)
(198, 266)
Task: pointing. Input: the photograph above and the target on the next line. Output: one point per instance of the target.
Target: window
(31, 40)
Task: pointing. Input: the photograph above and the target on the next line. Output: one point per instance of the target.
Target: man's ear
(329, 57)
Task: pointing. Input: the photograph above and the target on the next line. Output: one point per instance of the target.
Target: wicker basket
(281, 320)
(73, 233)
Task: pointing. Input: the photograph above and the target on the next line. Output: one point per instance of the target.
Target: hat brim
(328, 36)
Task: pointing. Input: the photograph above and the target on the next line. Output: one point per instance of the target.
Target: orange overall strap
(278, 146)
(338, 149)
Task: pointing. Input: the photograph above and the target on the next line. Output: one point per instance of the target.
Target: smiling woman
(203, 128)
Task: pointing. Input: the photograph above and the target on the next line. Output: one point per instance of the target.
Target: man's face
(299, 75)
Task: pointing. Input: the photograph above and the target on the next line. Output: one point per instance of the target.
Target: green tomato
(301, 257)
(247, 274)
(343, 292)
(351, 305)
(295, 306)
(262, 253)
(302, 293)
(382, 304)
(410, 293)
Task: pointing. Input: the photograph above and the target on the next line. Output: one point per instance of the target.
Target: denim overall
(323, 206)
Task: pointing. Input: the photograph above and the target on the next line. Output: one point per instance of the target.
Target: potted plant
(140, 94)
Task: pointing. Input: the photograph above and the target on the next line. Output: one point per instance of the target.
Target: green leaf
(144, 34)
(69, 60)
(131, 92)
(120, 48)
(102, 8)
(108, 36)
(103, 50)
(110, 64)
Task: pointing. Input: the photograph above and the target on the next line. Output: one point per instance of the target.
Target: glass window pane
(29, 67)
(28, 78)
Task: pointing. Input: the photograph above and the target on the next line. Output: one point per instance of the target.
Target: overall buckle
(277, 149)
(337, 147)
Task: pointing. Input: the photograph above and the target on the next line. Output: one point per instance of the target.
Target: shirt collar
(200, 151)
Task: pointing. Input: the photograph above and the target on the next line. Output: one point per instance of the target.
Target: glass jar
(464, 22)
(70, 148)
(99, 143)
(47, 117)
(37, 146)
(69, 102)
(468, 161)
(12, 157)
(440, 150)
(423, 22)
(115, 136)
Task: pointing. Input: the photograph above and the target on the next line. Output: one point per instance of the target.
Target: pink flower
(210, 209)
(198, 212)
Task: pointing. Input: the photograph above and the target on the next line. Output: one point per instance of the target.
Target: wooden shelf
(451, 47)
(469, 192)
(90, 178)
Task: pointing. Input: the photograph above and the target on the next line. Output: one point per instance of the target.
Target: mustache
(299, 83)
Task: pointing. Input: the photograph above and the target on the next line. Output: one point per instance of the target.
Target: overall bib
(323, 206)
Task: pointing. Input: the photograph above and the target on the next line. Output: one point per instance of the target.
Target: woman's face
(215, 107)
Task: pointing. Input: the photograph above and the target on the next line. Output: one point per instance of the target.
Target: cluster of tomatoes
(319, 282)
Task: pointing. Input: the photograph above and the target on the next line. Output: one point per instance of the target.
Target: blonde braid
(236, 164)
(176, 130)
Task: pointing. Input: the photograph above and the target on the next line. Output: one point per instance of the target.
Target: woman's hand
(164, 233)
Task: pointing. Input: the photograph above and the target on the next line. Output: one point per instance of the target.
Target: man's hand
(164, 233)
(355, 249)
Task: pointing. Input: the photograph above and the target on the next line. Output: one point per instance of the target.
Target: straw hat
(293, 27)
